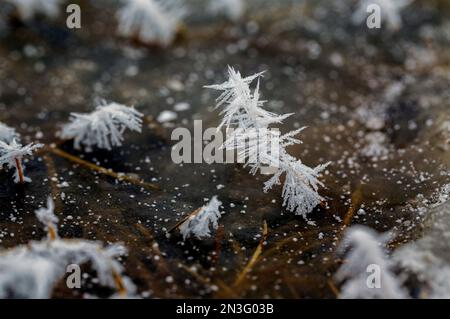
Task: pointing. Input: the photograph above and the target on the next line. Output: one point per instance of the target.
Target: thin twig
(218, 245)
(357, 196)
(254, 258)
(19, 171)
(120, 286)
(356, 203)
(102, 170)
(52, 233)
(184, 219)
(333, 287)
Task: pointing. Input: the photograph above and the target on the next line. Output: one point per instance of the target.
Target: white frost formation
(152, 21)
(428, 258)
(29, 8)
(366, 249)
(232, 9)
(102, 128)
(12, 154)
(32, 270)
(8, 134)
(390, 12)
(253, 140)
(46, 215)
(205, 220)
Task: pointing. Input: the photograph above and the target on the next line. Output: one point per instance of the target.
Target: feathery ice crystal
(102, 128)
(251, 136)
(366, 248)
(152, 21)
(199, 223)
(29, 8)
(32, 270)
(46, 215)
(232, 9)
(12, 154)
(390, 10)
(8, 134)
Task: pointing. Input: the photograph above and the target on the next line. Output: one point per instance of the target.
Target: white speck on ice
(169, 279)
(166, 116)
(132, 71)
(181, 106)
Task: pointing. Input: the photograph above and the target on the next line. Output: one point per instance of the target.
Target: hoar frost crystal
(243, 111)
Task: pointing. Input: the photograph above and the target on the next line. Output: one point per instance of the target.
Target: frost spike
(200, 223)
(242, 111)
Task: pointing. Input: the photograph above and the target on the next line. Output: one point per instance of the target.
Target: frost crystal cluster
(27, 9)
(8, 134)
(232, 9)
(12, 154)
(366, 256)
(427, 259)
(46, 215)
(390, 11)
(152, 21)
(102, 128)
(32, 270)
(202, 222)
(251, 134)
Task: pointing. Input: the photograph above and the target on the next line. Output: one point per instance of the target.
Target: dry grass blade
(224, 290)
(333, 287)
(277, 245)
(184, 219)
(356, 203)
(102, 170)
(51, 174)
(120, 287)
(20, 171)
(162, 265)
(240, 278)
(195, 274)
(218, 244)
(357, 196)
